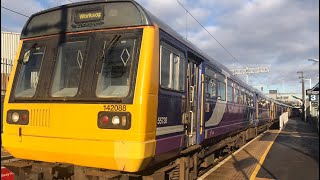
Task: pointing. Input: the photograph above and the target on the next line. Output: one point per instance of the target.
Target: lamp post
(309, 104)
(303, 96)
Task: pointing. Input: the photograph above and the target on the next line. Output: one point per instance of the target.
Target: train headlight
(115, 120)
(15, 117)
(119, 120)
(20, 117)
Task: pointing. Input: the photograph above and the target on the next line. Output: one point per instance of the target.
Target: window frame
(230, 84)
(135, 48)
(83, 64)
(89, 78)
(221, 79)
(20, 64)
(182, 58)
(207, 75)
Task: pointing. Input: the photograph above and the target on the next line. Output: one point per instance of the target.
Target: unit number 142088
(115, 107)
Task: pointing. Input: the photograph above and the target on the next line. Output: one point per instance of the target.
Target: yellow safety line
(263, 157)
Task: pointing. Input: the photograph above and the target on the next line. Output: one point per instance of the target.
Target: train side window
(244, 96)
(165, 68)
(251, 99)
(267, 104)
(230, 90)
(172, 68)
(248, 101)
(210, 84)
(264, 103)
(236, 93)
(221, 87)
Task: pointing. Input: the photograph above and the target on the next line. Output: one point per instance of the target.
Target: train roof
(191, 46)
(147, 18)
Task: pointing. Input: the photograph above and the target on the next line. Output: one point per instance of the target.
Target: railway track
(220, 156)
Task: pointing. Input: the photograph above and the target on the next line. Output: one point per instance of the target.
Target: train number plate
(115, 107)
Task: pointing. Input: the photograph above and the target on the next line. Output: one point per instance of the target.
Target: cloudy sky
(279, 34)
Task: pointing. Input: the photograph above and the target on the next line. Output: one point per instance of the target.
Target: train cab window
(68, 69)
(172, 68)
(29, 72)
(230, 90)
(210, 84)
(114, 75)
(221, 87)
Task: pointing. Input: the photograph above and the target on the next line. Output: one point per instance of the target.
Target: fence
(6, 68)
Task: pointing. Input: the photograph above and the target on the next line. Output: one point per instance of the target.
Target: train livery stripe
(169, 129)
(217, 114)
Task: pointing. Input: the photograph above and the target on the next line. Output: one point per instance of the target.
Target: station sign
(310, 92)
(314, 98)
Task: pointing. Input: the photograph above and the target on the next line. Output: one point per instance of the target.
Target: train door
(193, 101)
(257, 107)
(271, 111)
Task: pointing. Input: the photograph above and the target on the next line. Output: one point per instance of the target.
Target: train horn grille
(40, 117)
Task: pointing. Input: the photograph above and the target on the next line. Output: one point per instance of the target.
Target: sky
(279, 34)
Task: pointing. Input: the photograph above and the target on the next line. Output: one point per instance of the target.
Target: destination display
(86, 16)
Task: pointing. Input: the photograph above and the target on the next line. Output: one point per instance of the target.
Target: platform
(290, 154)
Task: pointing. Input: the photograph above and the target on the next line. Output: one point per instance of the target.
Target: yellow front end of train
(69, 132)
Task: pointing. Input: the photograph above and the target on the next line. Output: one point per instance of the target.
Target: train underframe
(190, 163)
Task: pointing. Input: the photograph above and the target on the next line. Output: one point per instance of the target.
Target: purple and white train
(106, 89)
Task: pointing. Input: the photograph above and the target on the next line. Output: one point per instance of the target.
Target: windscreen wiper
(106, 49)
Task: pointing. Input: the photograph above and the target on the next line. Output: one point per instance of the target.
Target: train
(106, 89)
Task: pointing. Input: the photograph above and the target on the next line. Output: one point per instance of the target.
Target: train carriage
(106, 85)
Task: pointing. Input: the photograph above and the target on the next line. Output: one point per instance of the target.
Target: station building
(293, 99)
(9, 47)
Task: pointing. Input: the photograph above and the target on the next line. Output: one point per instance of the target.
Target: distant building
(288, 98)
(9, 47)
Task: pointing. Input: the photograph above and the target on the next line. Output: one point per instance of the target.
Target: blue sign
(314, 98)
